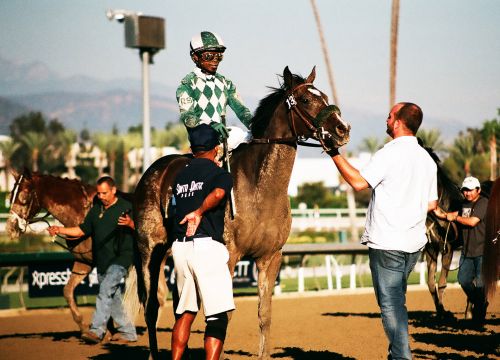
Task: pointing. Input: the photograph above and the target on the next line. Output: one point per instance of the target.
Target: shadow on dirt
(446, 332)
(300, 354)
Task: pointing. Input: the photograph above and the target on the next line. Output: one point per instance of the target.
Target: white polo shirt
(403, 177)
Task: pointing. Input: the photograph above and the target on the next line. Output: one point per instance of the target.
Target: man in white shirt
(403, 178)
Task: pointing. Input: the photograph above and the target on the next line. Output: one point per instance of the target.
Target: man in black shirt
(200, 256)
(111, 229)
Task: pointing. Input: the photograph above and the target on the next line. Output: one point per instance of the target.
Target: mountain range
(80, 102)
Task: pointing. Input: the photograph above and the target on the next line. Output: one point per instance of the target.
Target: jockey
(204, 93)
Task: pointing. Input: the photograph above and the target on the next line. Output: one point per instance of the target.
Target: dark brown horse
(261, 172)
(491, 263)
(66, 200)
(443, 236)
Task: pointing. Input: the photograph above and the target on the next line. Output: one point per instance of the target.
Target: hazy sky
(449, 50)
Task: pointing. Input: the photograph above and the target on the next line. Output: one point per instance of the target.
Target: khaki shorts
(202, 276)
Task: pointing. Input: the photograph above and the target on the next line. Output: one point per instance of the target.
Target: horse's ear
(311, 76)
(288, 78)
(27, 173)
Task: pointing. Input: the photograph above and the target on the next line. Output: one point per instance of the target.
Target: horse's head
(24, 204)
(309, 112)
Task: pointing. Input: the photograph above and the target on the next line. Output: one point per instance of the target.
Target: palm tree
(394, 52)
(432, 138)
(35, 142)
(463, 152)
(60, 147)
(109, 143)
(130, 141)
(173, 135)
(8, 148)
(370, 144)
(325, 53)
(490, 132)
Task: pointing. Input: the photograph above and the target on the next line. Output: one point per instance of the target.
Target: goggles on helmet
(209, 56)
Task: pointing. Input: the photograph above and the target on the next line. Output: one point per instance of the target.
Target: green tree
(490, 133)
(35, 143)
(432, 138)
(463, 152)
(8, 148)
(109, 143)
(370, 144)
(317, 194)
(130, 141)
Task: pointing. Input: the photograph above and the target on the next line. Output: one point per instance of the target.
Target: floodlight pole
(146, 33)
(146, 124)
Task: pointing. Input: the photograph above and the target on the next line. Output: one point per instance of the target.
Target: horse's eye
(304, 100)
(23, 197)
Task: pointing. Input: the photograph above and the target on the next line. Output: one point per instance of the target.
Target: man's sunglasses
(209, 56)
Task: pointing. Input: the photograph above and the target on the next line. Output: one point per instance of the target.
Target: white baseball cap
(470, 183)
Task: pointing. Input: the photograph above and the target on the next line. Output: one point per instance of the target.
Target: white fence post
(422, 273)
(352, 277)
(301, 280)
(328, 272)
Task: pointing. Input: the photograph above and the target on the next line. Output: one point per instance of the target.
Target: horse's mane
(450, 195)
(268, 105)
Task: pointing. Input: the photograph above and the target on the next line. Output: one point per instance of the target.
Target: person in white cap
(472, 221)
(204, 93)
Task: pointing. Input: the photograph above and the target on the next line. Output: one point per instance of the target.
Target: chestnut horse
(261, 171)
(66, 200)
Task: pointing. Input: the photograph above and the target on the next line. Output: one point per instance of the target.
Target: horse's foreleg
(268, 271)
(445, 268)
(78, 273)
(431, 259)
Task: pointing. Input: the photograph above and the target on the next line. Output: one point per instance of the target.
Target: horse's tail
(131, 302)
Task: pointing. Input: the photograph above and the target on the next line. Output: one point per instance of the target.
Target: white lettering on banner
(241, 268)
(52, 278)
(60, 278)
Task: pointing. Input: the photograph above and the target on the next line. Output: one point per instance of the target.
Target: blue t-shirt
(193, 184)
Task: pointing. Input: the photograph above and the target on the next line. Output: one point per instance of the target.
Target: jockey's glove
(221, 129)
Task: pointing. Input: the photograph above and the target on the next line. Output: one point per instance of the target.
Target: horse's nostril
(340, 130)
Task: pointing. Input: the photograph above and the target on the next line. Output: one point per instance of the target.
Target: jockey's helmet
(206, 41)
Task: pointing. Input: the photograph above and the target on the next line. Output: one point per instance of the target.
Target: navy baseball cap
(203, 138)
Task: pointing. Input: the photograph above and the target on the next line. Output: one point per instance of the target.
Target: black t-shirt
(112, 244)
(193, 184)
(474, 237)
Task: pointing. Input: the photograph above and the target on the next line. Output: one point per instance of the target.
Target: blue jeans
(390, 270)
(469, 277)
(109, 304)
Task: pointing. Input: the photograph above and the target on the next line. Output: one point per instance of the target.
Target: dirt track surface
(322, 326)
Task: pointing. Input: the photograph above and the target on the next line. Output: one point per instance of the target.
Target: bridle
(23, 223)
(312, 123)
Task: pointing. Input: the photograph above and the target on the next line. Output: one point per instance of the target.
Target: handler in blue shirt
(200, 256)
